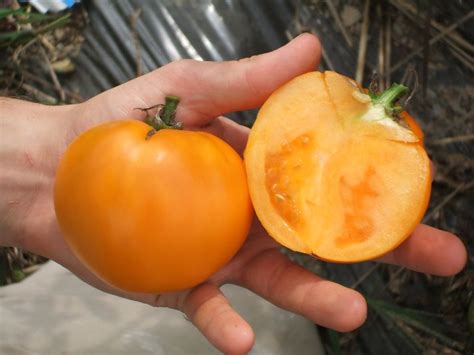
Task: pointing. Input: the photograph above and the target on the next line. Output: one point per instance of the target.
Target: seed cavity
(357, 198)
(286, 170)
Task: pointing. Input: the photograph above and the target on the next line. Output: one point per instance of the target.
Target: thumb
(210, 89)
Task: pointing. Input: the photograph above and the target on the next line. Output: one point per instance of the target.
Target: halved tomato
(332, 172)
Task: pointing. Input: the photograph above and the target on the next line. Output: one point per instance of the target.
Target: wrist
(33, 138)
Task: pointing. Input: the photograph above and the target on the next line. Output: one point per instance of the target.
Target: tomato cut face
(331, 174)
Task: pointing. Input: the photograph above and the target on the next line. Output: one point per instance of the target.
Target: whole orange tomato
(152, 211)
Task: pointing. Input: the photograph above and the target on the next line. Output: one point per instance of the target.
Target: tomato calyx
(389, 99)
(383, 105)
(383, 113)
(164, 117)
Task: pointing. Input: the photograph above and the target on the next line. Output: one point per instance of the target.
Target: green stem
(165, 117)
(390, 97)
(169, 110)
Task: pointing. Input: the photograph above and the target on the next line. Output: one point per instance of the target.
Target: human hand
(207, 90)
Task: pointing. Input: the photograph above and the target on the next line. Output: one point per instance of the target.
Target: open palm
(207, 91)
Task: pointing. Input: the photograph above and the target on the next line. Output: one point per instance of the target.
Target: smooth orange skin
(152, 215)
(326, 182)
(413, 125)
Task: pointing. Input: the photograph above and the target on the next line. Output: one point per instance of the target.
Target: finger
(274, 277)
(212, 314)
(209, 89)
(431, 251)
(233, 133)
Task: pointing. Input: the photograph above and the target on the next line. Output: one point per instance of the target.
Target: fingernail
(299, 35)
(303, 32)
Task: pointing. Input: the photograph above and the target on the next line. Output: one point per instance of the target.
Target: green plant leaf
(470, 315)
(402, 334)
(426, 322)
(19, 37)
(7, 12)
(335, 341)
(18, 275)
